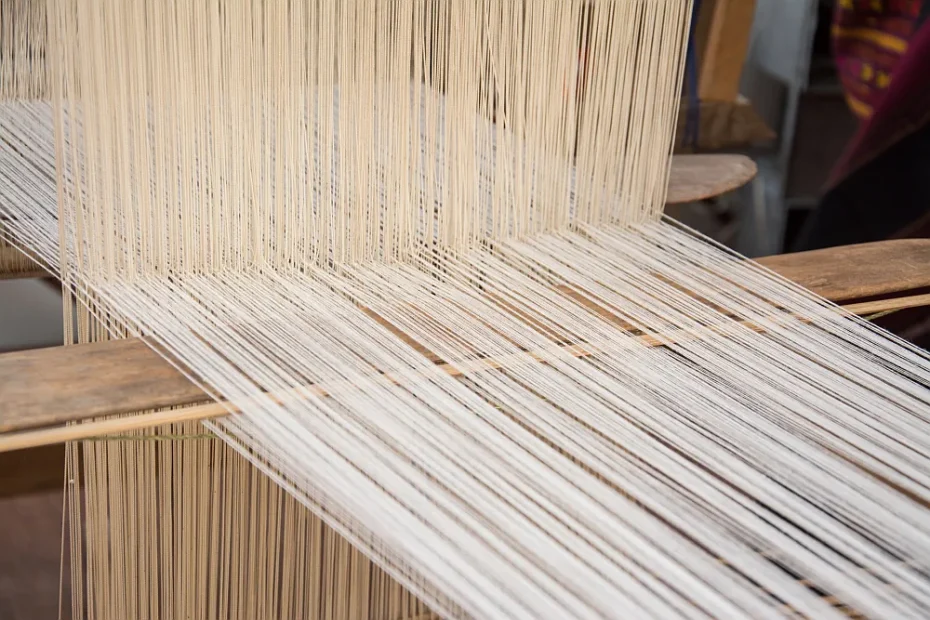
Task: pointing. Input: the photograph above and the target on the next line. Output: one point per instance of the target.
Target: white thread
(253, 239)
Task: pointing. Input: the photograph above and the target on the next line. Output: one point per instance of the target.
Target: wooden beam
(860, 271)
(123, 424)
(699, 177)
(50, 387)
(16, 265)
(723, 33)
(44, 387)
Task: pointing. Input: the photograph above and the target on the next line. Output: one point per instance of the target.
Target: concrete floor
(30, 557)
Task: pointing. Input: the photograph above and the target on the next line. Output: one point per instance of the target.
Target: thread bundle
(419, 247)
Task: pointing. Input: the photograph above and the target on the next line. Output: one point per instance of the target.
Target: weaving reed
(418, 247)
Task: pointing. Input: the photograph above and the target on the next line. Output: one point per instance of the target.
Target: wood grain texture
(699, 177)
(724, 28)
(123, 424)
(16, 265)
(48, 387)
(858, 271)
(51, 386)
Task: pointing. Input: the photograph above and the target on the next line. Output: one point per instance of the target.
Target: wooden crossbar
(43, 390)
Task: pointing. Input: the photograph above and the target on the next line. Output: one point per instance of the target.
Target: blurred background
(831, 99)
(825, 95)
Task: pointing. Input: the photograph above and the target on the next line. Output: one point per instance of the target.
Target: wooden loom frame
(44, 391)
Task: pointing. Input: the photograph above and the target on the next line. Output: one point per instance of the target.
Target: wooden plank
(123, 424)
(49, 387)
(23, 275)
(43, 387)
(858, 271)
(724, 29)
(699, 177)
(16, 265)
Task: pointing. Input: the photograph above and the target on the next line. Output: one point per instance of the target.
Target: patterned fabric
(882, 53)
(878, 188)
(869, 39)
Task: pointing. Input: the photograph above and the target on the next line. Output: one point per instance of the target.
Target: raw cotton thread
(362, 196)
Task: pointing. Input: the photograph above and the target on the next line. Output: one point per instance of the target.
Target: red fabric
(869, 39)
(895, 88)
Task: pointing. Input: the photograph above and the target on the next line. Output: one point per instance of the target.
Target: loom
(377, 316)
